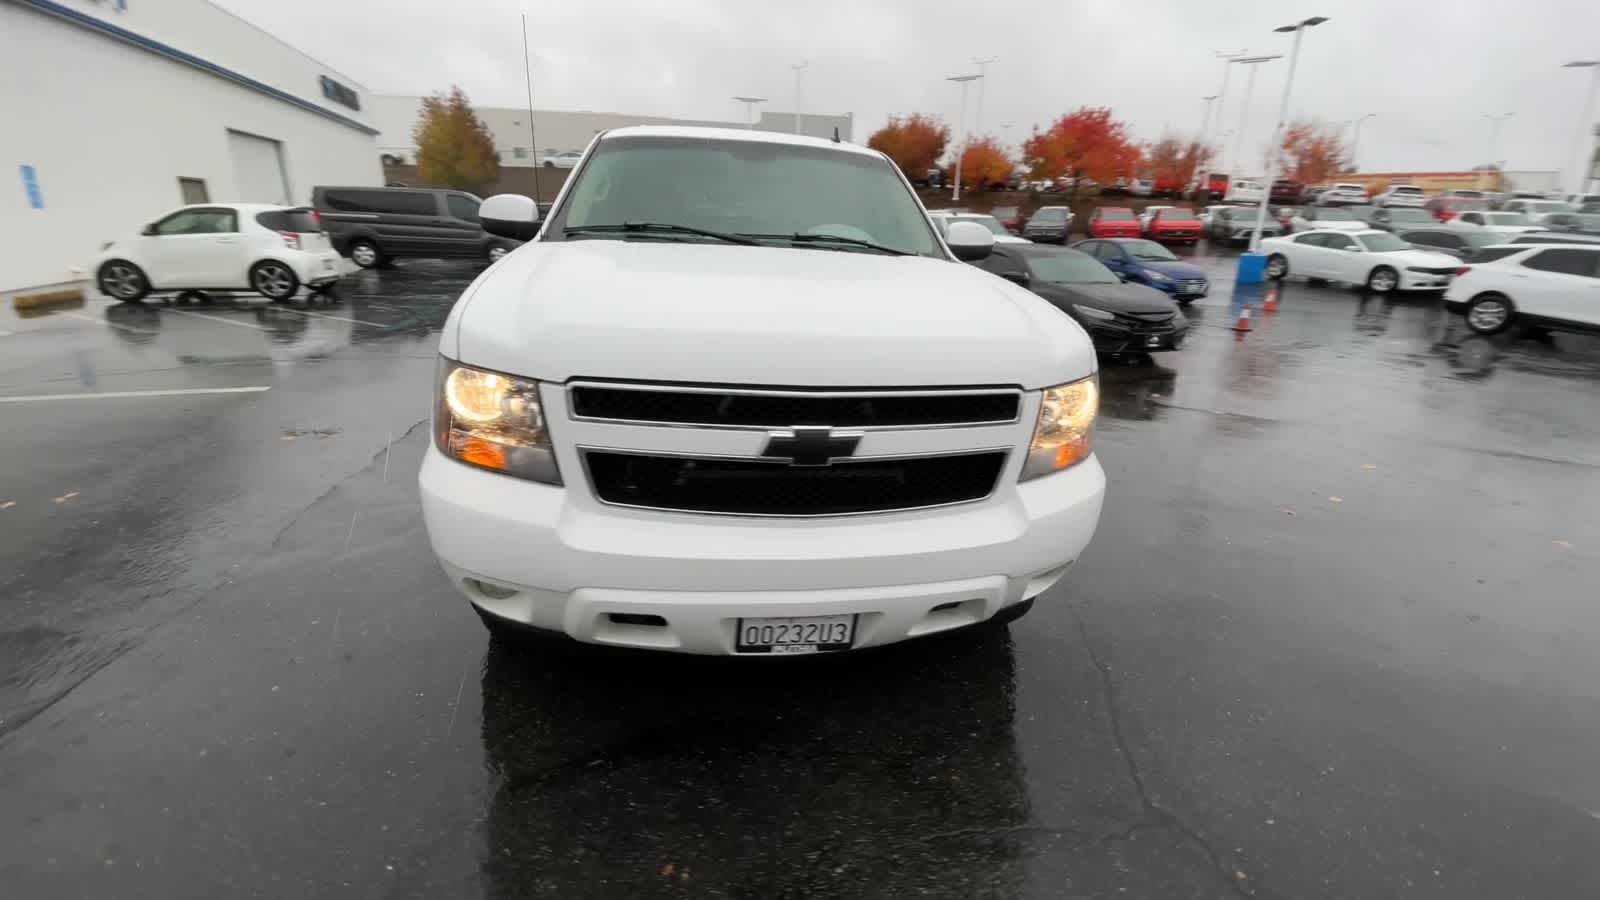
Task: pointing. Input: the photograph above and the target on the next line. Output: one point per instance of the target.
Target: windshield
(1382, 242)
(1050, 214)
(1545, 206)
(1506, 218)
(1177, 215)
(1116, 215)
(989, 222)
(1409, 215)
(1004, 212)
(1334, 214)
(744, 188)
(1150, 251)
(1588, 221)
(1064, 266)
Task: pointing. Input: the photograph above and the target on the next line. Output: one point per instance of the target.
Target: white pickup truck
(738, 395)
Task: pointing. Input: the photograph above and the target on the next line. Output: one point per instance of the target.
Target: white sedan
(271, 250)
(1376, 260)
(1336, 218)
(943, 219)
(1500, 225)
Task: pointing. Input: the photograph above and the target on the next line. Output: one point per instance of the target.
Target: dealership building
(117, 111)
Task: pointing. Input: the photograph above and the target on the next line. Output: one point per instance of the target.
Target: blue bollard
(1252, 268)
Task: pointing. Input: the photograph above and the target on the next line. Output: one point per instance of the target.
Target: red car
(1113, 221)
(1174, 224)
(1446, 208)
(1011, 217)
(1165, 186)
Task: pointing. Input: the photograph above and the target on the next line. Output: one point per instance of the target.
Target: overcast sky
(1430, 71)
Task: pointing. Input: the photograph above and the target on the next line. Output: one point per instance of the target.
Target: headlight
(1093, 313)
(493, 421)
(1157, 276)
(1066, 422)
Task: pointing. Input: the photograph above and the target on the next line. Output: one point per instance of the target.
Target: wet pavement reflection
(1334, 639)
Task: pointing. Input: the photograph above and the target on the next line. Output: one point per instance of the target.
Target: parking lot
(1334, 638)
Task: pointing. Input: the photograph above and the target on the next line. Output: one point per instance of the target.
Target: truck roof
(735, 134)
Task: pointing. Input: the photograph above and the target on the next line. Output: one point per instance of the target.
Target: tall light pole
(1299, 29)
(1355, 139)
(750, 108)
(1227, 57)
(798, 69)
(964, 81)
(983, 70)
(1494, 139)
(1244, 108)
(1584, 140)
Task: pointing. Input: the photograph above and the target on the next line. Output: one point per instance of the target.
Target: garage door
(257, 169)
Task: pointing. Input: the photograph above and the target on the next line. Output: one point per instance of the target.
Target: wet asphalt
(1335, 638)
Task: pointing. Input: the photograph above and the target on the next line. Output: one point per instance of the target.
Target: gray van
(373, 225)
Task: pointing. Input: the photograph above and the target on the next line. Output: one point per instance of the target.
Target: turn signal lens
(493, 421)
(1061, 436)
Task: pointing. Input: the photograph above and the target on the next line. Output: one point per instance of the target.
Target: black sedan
(1398, 218)
(1119, 317)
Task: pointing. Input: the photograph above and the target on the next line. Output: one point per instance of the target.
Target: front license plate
(795, 634)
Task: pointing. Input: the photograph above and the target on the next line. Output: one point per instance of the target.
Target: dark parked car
(1049, 225)
(1232, 225)
(1148, 263)
(373, 225)
(1399, 218)
(1119, 317)
(1285, 191)
(1460, 244)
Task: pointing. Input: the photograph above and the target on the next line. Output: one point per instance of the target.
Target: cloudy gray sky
(1430, 71)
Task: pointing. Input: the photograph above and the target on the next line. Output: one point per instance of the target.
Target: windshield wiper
(836, 239)
(658, 228)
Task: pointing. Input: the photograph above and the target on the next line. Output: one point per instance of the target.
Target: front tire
(123, 280)
(1383, 280)
(1277, 267)
(274, 280)
(1490, 313)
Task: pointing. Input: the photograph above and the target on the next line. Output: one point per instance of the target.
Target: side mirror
(510, 215)
(1017, 277)
(148, 229)
(969, 241)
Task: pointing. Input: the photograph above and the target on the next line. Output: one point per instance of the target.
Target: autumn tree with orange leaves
(1086, 143)
(914, 142)
(1174, 160)
(1313, 151)
(983, 164)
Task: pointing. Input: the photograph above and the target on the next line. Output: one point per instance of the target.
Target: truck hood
(660, 311)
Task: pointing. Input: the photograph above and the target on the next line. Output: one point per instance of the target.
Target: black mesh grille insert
(756, 487)
(785, 410)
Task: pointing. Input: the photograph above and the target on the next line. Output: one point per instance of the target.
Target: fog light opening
(637, 619)
(492, 591)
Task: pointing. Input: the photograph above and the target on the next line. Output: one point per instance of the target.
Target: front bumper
(1054, 235)
(570, 563)
(1110, 337)
(1424, 281)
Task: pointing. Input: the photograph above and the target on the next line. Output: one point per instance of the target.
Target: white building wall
(110, 127)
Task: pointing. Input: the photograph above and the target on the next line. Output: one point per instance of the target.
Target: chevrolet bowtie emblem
(811, 445)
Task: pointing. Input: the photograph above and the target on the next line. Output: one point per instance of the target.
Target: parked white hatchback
(1502, 225)
(737, 396)
(270, 250)
(1550, 286)
(1375, 260)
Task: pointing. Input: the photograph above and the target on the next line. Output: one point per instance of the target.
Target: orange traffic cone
(1243, 324)
(1271, 301)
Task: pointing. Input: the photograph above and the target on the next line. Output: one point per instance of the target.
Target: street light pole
(1273, 153)
(1227, 57)
(750, 109)
(1584, 134)
(983, 70)
(1494, 140)
(1355, 138)
(964, 80)
(798, 69)
(1244, 108)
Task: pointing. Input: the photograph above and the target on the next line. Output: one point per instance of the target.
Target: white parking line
(307, 312)
(180, 312)
(111, 395)
(105, 322)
